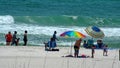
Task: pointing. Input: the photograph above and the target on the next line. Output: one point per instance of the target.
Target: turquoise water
(41, 28)
(42, 17)
(65, 20)
(101, 8)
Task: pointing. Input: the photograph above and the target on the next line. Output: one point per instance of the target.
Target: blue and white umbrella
(95, 32)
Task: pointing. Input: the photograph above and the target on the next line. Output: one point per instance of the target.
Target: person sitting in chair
(99, 43)
(85, 45)
(90, 43)
(50, 45)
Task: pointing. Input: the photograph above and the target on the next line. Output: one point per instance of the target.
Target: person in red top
(8, 38)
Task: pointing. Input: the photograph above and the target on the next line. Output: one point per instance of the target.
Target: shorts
(105, 50)
(76, 49)
(8, 40)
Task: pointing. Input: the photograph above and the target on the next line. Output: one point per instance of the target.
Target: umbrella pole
(71, 49)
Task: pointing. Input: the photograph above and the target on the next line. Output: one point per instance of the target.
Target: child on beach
(17, 41)
(93, 51)
(105, 47)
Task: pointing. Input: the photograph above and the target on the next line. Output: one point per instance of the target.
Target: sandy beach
(37, 57)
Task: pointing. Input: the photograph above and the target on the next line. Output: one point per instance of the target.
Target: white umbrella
(95, 32)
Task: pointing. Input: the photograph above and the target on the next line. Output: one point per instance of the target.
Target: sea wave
(6, 19)
(63, 20)
(46, 25)
(48, 30)
(66, 20)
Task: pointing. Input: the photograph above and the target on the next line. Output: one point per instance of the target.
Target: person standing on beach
(105, 50)
(77, 47)
(25, 38)
(55, 38)
(8, 38)
(14, 39)
(93, 51)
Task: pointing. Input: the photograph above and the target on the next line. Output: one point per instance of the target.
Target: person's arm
(54, 36)
(57, 39)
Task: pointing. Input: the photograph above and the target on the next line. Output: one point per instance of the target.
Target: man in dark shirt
(55, 38)
(25, 38)
(14, 39)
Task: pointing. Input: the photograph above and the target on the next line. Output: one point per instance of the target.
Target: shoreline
(57, 46)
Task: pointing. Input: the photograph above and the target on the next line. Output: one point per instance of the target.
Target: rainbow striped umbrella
(72, 34)
(75, 34)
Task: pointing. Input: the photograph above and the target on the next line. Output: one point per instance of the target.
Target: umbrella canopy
(95, 32)
(73, 34)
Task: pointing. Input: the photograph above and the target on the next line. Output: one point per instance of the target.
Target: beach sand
(37, 57)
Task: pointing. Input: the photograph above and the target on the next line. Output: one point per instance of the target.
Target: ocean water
(42, 17)
(101, 8)
(40, 28)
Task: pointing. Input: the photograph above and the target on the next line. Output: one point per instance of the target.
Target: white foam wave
(7, 19)
(111, 31)
(73, 17)
(48, 30)
(99, 20)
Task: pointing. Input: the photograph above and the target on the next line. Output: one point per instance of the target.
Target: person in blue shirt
(50, 44)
